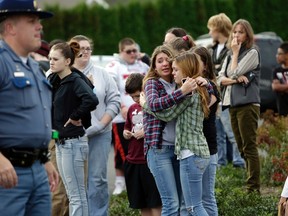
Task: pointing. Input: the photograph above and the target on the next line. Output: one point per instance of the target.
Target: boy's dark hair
(284, 47)
(134, 83)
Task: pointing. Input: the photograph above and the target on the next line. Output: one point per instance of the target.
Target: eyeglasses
(87, 49)
(280, 53)
(130, 51)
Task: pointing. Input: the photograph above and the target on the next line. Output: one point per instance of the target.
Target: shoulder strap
(228, 61)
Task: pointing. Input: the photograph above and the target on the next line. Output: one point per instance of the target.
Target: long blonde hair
(190, 65)
(152, 73)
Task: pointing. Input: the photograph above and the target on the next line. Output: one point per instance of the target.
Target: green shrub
(119, 206)
(233, 200)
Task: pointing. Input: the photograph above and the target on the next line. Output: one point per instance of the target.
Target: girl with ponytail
(73, 100)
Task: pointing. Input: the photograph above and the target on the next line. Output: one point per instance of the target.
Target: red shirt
(134, 122)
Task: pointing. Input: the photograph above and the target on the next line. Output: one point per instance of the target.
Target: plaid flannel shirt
(189, 126)
(157, 100)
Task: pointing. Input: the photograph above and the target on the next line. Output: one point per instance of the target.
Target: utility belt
(62, 140)
(25, 157)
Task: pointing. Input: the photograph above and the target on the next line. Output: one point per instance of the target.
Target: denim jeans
(164, 166)
(98, 195)
(31, 196)
(191, 175)
(71, 157)
(227, 129)
(245, 123)
(208, 187)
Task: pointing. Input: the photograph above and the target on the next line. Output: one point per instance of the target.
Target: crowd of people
(170, 118)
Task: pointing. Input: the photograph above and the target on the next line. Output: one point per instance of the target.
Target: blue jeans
(164, 166)
(31, 196)
(191, 174)
(71, 157)
(208, 186)
(226, 124)
(98, 195)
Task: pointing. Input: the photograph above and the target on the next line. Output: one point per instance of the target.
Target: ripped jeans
(71, 157)
(191, 173)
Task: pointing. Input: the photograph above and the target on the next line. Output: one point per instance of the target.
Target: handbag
(242, 94)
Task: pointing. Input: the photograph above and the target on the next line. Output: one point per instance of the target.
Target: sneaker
(119, 188)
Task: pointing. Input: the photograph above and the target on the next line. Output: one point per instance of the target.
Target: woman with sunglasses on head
(73, 100)
(120, 68)
(99, 133)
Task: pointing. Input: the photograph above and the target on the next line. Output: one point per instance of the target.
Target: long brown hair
(190, 65)
(152, 73)
(69, 50)
(249, 33)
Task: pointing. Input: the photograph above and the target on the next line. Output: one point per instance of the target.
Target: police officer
(25, 114)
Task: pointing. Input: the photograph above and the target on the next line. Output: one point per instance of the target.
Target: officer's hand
(52, 175)
(8, 176)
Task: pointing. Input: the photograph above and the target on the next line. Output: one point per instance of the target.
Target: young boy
(141, 188)
(280, 79)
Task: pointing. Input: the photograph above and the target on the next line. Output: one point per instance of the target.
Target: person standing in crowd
(141, 188)
(124, 64)
(208, 182)
(73, 100)
(25, 115)
(173, 33)
(280, 79)
(219, 29)
(99, 133)
(191, 147)
(240, 74)
(60, 202)
(209, 130)
(159, 143)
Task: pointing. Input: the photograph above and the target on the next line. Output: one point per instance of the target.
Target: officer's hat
(10, 7)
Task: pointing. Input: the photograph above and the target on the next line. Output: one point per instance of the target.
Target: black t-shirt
(209, 128)
(281, 74)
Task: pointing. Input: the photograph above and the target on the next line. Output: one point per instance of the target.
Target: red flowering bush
(272, 140)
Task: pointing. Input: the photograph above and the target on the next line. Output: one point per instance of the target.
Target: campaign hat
(12, 7)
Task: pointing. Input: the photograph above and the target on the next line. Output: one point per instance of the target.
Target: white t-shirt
(285, 189)
(120, 71)
(220, 47)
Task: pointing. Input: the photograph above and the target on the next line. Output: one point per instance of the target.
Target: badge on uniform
(20, 81)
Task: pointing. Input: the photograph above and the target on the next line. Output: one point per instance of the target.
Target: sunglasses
(130, 51)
